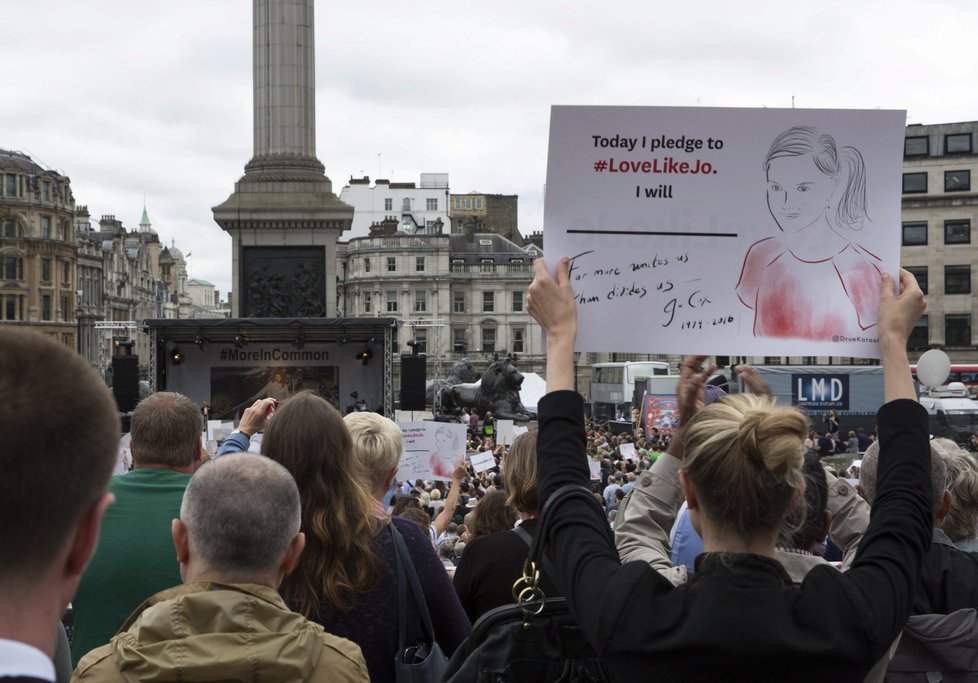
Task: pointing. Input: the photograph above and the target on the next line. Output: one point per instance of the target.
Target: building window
(420, 301)
(957, 232)
(914, 182)
(458, 302)
(957, 330)
(46, 270)
(957, 181)
(13, 268)
(406, 204)
(431, 203)
(920, 273)
(421, 341)
(957, 279)
(46, 307)
(388, 204)
(419, 264)
(458, 265)
(10, 188)
(66, 308)
(517, 302)
(366, 264)
(468, 203)
(10, 307)
(46, 191)
(919, 335)
(519, 340)
(488, 302)
(916, 146)
(392, 302)
(65, 273)
(458, 340)
(478, 203)
(914, 233)
(11, 228)
(45, 227)
(368, 302)
(487, 265)
(488, 339)
(391, 264)
(957, 143)
(431, 227)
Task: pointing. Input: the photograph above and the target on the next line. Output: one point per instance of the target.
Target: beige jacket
(221, 632)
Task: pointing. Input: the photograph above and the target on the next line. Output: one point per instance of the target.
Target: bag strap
(528, 539)
(547, 516)
(405, 574)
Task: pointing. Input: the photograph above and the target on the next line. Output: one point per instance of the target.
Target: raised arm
(451, 502)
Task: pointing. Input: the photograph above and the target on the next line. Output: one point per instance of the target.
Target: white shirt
(21, 659)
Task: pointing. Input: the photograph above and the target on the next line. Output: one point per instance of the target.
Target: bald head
(241, 513)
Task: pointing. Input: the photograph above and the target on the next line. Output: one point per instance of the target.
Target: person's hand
(689, 390)
(551, 301)
(752, 378)
(459, 474)
(254, 418)
(898, 314)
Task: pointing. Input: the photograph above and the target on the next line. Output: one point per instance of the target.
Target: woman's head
(309, 438)
(520, 467)
(376, 445)
(492, 514)
(744, 457)
(962, 475)
(810, 178)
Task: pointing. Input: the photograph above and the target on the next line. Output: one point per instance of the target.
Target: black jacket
(948, 579)
(740, 618)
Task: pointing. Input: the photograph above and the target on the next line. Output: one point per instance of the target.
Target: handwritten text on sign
(767, 239)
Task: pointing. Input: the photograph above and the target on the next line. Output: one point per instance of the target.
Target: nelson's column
(283, 217)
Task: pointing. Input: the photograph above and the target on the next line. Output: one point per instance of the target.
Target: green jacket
(218, 632)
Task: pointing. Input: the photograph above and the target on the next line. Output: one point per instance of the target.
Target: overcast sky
(132, 98)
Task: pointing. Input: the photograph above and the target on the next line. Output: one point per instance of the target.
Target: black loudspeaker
(125, 382)
(414, 374)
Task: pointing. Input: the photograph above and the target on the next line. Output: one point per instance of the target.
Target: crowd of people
(698, 554)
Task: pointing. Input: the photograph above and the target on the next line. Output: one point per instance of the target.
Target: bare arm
(451, 502)
(897, 316)
(551, 303)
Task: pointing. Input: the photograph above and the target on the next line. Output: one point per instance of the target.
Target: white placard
(627, 451)
(211, 426)
(517, 430)
(221, 431)
(255, 445)
(721, 231)
(431, 450)
(123, 462)
(483, 461)
(595, 468)
(504, 432)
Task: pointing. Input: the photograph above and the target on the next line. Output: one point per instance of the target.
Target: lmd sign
(820, 392)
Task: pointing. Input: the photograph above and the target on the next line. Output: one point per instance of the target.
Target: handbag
(422, 662)
(537, 639)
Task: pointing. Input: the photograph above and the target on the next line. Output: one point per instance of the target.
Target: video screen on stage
(235, 388)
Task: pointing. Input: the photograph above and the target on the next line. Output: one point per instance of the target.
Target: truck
(951, 412)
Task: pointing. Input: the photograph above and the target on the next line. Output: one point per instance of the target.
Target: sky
(154, 99)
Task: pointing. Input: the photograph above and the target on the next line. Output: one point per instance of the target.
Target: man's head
(166, 431)
(940, 497)
(60, 433)
(239, 522)
(376, 447)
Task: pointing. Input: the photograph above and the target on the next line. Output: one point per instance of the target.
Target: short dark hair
(60, 429)
(166, 430)
(806, 523)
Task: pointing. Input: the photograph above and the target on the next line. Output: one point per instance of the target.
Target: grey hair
(938, 474)
(241, 512)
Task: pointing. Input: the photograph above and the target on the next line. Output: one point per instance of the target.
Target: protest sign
(627, 451)
(731, 231)
(431, 450)
(504, 432)
(483, 461)
(659, 411)
(595, 468)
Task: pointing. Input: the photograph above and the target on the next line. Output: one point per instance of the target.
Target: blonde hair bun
(773, 437)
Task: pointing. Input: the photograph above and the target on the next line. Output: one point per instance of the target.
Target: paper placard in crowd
(517, 430)
(431, 450)
(123, 462)
(595, 468)
(627, 451)
(720, 230)
(211, 426)
(504, 432)
(483, 461)
(222, 431)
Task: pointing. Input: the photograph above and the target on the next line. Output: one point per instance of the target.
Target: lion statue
(498, 392)
(463, 371)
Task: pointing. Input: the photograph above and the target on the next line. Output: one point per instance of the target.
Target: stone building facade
(421, 208)
(480, 212)
(38, 253)
(940, 211)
